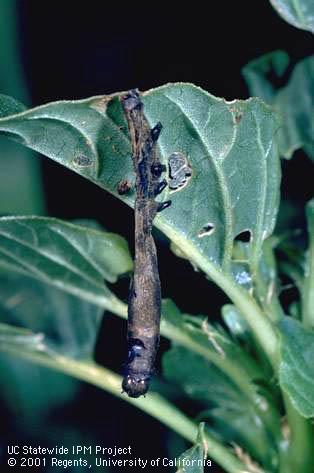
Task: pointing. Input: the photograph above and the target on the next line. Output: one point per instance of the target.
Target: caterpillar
(144, 305)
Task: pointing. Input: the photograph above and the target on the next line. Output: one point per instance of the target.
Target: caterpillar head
(135, 386)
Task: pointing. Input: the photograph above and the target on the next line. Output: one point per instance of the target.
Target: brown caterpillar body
(145, 293)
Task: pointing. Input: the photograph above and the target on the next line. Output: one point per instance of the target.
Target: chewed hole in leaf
(207, 229)
(82, 161)
(244, 236)
(237, 115)
(235, 170)
(180, 171)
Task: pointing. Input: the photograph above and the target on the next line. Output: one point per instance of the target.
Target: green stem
(266, 410)
(241, 378)
(262, 328)
(234, 371)
(270, 304)
(267, 292)
(299, 454)
(294, 273)
(154, 404)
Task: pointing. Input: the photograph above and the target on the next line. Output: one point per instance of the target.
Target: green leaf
(291, 251)
(229, 146)
(308, 285)
(299, 13)
(199, 379)
(241, 332)
(24, 337)
(42, 263)
(235, 171)
(264, 283)
(296, 372)
(32, 400)
(70, 257)
(216, 347)
(236, 324)
(30, 390)
(154, 405)
(49, 320)
(231, 416)
(56, 352)
(256, 73)
(38, 318)
(209, 341)
(295, 101)
(218, 138)
(67, 323)
(10, 106)
(194, 459)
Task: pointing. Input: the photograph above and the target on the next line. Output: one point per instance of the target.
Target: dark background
(73, 50)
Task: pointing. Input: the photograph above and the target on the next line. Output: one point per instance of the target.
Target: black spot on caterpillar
(145, 293)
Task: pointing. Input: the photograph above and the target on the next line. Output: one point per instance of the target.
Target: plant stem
(267, 291)
(299, 456)
(154, 404)
(118, 308)
(240, 377)
(294, 273)
(262, 328)
(236, 372)
(271, 307)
